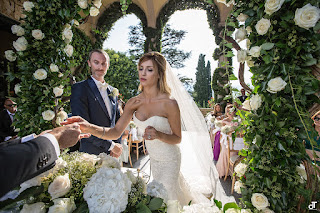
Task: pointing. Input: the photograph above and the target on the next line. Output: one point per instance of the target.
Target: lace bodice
(157, 149)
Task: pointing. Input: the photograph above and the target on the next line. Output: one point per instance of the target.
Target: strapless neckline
(134, 114)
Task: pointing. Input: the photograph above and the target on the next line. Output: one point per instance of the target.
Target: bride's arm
(173, 115)
(107, 133)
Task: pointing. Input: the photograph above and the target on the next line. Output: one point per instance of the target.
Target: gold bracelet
(104, 132)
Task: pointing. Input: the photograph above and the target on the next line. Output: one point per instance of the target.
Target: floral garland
(47, 49)
(282, 45)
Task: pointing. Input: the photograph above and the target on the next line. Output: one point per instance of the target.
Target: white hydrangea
(20, 44)
(157, 189)
(201, 208)
(37, 34)
(28, 5)
(107, 191)
(40, 74)
(108, 161)
(10, 55)
(18, 30)
(48, 115)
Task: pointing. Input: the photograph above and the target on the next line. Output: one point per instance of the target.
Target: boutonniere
(114, 93)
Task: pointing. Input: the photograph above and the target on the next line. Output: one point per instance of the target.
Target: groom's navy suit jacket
(86, 101)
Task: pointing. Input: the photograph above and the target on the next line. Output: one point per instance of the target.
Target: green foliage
(123, 74)
(276, 130)
(202, 87)
(218, 83)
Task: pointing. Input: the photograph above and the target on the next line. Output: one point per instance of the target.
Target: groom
(93, 100)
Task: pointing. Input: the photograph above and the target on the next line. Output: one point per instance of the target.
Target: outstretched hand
(84, 125)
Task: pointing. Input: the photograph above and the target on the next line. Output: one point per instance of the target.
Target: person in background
(217, 111)
(243, 96)
(315, 116)
(21, 161)
(7, 131)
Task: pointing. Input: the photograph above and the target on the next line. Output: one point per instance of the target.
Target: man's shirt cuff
(54, 142)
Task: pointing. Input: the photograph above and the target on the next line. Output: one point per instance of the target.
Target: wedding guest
(94, 100)
(315, 116)
(22, 161)
(7, 131)
(217, 111)
(243, 96)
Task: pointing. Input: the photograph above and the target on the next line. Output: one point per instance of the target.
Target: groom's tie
(103, 91)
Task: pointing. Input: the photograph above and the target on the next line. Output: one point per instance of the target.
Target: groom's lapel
(112, 101)
(98, 96)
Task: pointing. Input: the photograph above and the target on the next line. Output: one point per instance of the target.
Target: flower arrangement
(87, 183)
(282, 51)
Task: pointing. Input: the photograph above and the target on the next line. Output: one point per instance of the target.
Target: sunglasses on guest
(10, 105)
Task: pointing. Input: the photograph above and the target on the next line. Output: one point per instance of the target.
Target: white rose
(255, 51)
(67, 34)
(249, 29)
(272, 6)
(97, 3)
(250, 63)
(255, 102)
(62, 205)
(92, 159)
(60, 163)
(266, 210)
(237, 186)
(10, 55)
(242, 17)
(246, 211)
(48, 115)
(276, 84)
(17, 88)
(20, 44)
(263, 26)
(27, 5)
(246, 105)
(240, 169)
(225, 2)
(94, 11)
(173, 206)
(232, 210)
(241, 34)
(60, 186)
(68, 50)
(58, 91)
(307, 16)
(260, 201)
(37, 34)
(16, 29)
(54, 68)
(115, 92)
(40, 74)
(83, 4)
(241, 56)
(76, 22)
(39, 207)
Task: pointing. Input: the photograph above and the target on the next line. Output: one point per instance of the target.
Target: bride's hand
(150, 133)
(84, 125)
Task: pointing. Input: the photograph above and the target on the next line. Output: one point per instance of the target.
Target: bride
(157, 114)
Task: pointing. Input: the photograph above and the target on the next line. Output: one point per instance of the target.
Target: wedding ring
(149, 137)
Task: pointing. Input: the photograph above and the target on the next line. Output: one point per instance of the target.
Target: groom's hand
(116, 151)
(84, 125)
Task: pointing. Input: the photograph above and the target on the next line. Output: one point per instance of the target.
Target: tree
(202, 87)
(123, 74)
(170, 39)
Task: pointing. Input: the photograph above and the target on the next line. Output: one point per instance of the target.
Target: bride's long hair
(160, 62)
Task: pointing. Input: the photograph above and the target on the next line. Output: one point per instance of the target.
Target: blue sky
(199, 40)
